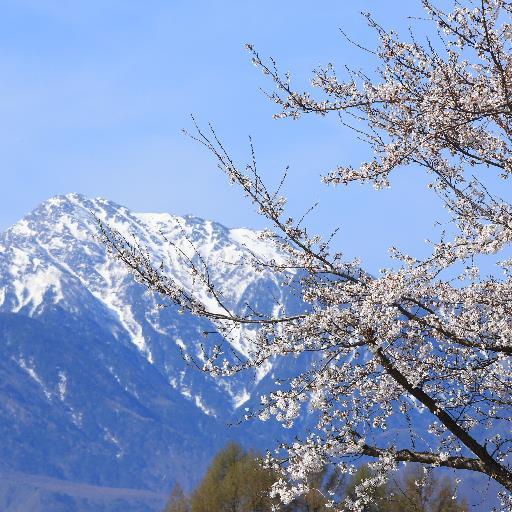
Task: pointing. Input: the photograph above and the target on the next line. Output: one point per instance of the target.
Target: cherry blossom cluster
(424, 347)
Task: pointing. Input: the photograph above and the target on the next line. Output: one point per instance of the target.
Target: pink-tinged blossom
(414, 341)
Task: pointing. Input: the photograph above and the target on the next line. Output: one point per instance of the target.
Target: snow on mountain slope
(52, 259)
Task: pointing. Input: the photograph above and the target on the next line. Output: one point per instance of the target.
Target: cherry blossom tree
(429, 335)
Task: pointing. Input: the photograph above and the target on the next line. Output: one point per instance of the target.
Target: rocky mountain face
(98, 408)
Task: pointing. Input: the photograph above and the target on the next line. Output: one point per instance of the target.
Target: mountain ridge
(95, 387)
(58, 259)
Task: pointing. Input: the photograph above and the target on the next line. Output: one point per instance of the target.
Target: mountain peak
(75, 202)
(52, 258)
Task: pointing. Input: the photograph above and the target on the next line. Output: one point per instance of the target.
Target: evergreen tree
(416, 491)
(178, 502)
(234, 482)
(412, 491)
(322, 486)
(378, 495)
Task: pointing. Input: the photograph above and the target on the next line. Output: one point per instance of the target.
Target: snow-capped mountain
(52, 259)
(95, 389)
(98, 409)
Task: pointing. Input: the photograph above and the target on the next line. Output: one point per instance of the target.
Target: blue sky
(93, 96)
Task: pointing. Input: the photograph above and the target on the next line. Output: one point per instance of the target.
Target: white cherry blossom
(413, 342)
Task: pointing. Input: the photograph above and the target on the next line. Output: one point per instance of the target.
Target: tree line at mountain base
(237, 482)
